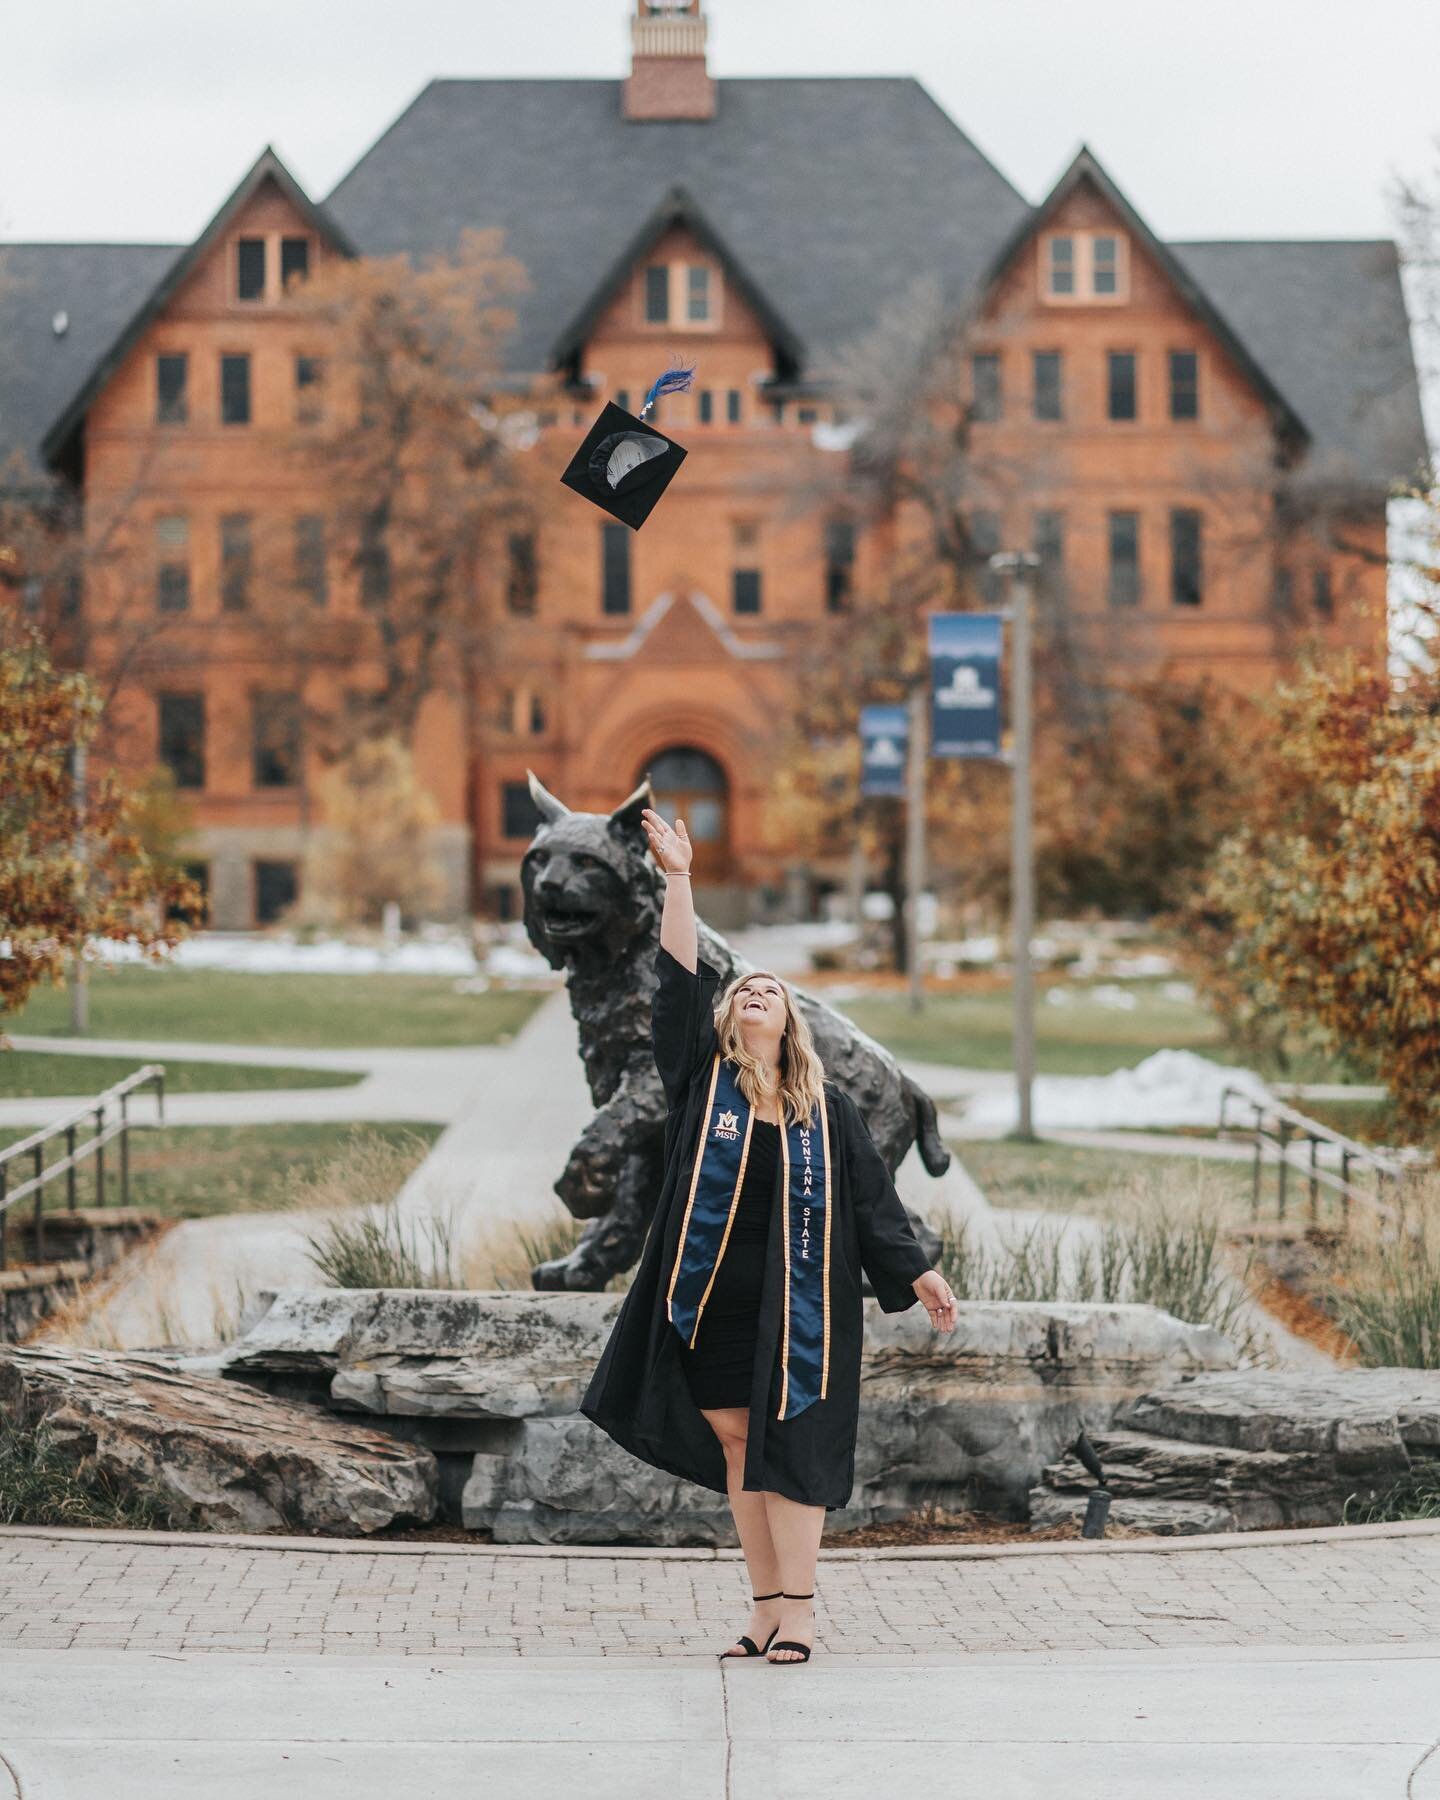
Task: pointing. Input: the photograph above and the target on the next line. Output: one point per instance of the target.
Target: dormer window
(250, 269)
(1083, 267)
(683, 294)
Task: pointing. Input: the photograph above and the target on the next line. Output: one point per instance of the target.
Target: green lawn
(974, 1031)
(191, 1171)
(310, 1011)
(29, 1074)
(1067, 1177)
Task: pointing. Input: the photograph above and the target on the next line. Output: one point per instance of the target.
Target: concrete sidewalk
(1280, 1666)
(1251, 1725)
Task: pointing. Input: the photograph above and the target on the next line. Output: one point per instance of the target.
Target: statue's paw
(584, 1199)
(569, 1274)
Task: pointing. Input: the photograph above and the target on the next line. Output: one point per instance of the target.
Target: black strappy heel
(789, 1643)
(751, 1649)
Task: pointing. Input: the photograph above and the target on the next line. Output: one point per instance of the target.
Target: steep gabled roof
(1085, 169)
(1328, 321)
(61, 308)
(835, 194)
(679, 208)
(57, 442)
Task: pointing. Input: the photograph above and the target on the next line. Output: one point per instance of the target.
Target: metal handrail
(1291, 1125)
(105, 1132)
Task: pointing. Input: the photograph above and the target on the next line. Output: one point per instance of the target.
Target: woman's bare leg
(731, 1425)
(794, 1532)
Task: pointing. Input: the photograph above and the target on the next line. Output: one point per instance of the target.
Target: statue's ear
(549, 807)
(625, 820)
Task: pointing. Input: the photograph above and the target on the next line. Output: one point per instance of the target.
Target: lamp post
(1019, 566)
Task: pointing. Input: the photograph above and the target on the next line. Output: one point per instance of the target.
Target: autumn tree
(68, 875)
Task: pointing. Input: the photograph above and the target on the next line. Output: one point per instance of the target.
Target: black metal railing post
(1314, 1180)
(1284, 1165)
(70, 1199)
(100, 1154)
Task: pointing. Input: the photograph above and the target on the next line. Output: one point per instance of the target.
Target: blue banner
(884, 745)
(965, 684)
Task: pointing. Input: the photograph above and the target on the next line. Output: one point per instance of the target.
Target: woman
(735, 1358)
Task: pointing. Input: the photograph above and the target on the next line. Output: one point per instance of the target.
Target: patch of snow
(429, 952)
(1172, 1087)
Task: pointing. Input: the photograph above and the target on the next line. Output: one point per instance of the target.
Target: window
(277, 887)
(235, 561)
(1186, 575)
(250, 269)
(519, 815)
(1184, 384)
(522, 572)
(310, 573)
(275, 740)
(622, 399)
(806, 415)
(1048, 399)
(615, 568)
(697, 294)
(182, 738)
(172, 372)
(985, 386)
(657, 294)
(839, 564)
(1121, 384)
(537, 713)
(745, 590)
(235, 390)
(732, 407)
(984, 542)
(1049, 543)
(1124, 559)
(294, 260)
(1283, 594)
(707, 407)
(1077, 267)
(172, 563)
(1322, 596)
(374, 559)
(309, 389)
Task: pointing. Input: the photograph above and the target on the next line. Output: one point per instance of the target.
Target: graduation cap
(625, 465)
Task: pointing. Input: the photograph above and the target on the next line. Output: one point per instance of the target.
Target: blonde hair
(802, 1074)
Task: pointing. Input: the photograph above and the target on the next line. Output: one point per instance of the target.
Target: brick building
(1209, 432)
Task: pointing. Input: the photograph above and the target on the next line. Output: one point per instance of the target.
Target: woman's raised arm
(672, 850)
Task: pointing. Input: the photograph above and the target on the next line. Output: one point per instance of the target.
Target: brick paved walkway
(85, 1592)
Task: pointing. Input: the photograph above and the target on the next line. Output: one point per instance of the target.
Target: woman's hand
(671, 847)
(939, 1301)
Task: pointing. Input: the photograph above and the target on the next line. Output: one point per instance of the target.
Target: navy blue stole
(715, 1182)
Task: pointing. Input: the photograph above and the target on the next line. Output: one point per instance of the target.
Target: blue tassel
(678, 380)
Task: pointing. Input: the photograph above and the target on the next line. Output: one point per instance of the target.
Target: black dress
(638, 1392)
(721, 1367)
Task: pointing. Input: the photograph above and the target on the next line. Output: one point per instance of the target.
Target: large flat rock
(1357, 1416)
(498, 1377)
(223, 1455)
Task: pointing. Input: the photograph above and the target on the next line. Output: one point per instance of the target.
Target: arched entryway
(691, 785)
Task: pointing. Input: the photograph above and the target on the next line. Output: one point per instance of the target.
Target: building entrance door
(691, 785)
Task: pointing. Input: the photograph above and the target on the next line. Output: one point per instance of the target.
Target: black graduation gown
(638, 1393)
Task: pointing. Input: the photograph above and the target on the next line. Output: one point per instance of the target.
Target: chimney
(668, 78)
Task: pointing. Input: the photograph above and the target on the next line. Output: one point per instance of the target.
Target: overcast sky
(131, 119)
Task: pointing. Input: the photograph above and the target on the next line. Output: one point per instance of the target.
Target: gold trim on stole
(694, 1183)
(785, 1230)
(825, 1279)
(690, 1203)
